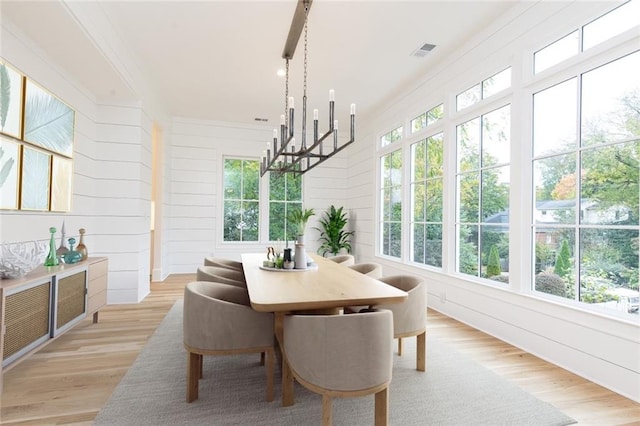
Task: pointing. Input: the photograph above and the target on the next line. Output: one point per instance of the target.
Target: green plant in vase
(299, 219)
(333, 237)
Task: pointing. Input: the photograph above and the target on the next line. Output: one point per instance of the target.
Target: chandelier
(283, 154)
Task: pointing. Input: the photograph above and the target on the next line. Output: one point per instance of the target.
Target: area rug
(454, 391)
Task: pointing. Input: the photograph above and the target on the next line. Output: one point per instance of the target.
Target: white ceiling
(218, 59)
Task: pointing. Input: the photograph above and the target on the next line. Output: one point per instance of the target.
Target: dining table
(324, 287)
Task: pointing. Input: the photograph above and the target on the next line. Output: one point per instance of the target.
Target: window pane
(611, 101)
(468, 97)
(495, 84)
(418, 161)
(469, 145)
(250, 217)
(469, 193)
(395, 239)
(277, 213)
(277, 186)
(495, 195)
(418, 242)
(419, 123)
(554, 118)
(386, 204)
(556, 52)
(395, 165)
(496, 137)
(468, 255)
(386, 238)
(613, 23)
(435, 155)
(294, 187)
(555, 189)
(554, 261)
(434, 201)
(419, 202)
(232, 179)
(435, 114)
(608, 267)
(433, 246)
(396, 203)
(610, 185)
(232, 221)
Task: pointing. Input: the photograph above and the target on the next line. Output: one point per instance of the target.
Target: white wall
(194, 212)
(601, 349)
(111, 183)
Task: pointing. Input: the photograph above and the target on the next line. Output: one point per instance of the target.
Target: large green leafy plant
(333, 237)
(299, 218)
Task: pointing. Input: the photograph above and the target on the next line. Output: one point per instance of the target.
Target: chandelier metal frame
(282, 155)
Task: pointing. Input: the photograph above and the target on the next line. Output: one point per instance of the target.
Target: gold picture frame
(9, 174)
(48, 122)
(11, 84)
(36, 178)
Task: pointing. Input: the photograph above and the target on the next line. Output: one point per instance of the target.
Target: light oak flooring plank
(71, 378)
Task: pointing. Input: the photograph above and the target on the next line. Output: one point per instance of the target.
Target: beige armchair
(219, 321)
(410, 316)
(223, 263)
(221, 275)
(343, 259)
(342, 356)
(374, 270)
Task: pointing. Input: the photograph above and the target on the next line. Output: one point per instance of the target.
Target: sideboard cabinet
(47, 302)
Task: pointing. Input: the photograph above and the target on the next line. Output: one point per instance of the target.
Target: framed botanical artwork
(48, 122)
(11, 82)
(61, 178)
(36, 170)
(9, 168)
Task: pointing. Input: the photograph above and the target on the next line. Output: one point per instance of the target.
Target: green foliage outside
(333, 237)
(562, 267)
(299, 219)
(493, 265)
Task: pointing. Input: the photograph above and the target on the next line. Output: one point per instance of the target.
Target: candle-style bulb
(332, 95)
(275, 134)
(335, 124)
(291, 102)
(282, 119)
(353, 109)
(315, 114)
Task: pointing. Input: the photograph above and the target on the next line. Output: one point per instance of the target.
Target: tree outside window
(285, 195)
(391, 204)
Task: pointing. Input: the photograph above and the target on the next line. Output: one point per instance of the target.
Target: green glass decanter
(52, 258)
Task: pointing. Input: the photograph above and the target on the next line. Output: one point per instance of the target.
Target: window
(427, 200)
(556, 52)
(241, 199)
(391, 137)
(391, 204)
(587, 177)
(427, 119)
(285, 195)
(483, 90)
(483, 146)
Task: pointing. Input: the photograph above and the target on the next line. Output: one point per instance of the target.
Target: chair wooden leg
(399, 346)
(262, 358)
(421, 349)
(270, 355)
(327, 411)
(193, 374)
(200, 367)
(382, 407)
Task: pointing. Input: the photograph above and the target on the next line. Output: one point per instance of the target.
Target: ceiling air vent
(261, 119)
(422, 51)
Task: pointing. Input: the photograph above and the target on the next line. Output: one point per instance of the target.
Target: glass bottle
(52, 258)
(82, 249)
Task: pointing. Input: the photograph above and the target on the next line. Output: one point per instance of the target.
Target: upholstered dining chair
(374, 270)
(343, 259)
(342, 356)
(221, 275)
(410, 316)
(219, 321)
(223, 263)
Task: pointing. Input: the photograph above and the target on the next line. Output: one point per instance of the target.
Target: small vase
(52, 258)
(63, 244)
(300, 257)
(82, 249)
(72, 256)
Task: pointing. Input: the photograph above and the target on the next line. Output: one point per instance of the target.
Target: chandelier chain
(306, 31)
(286, 94)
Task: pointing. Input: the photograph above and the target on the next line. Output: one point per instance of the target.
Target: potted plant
(333, 237)
(299, 219)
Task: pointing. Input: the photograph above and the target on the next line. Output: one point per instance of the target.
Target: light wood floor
(70, 379)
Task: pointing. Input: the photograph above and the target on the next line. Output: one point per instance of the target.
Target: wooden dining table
(323, 288)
